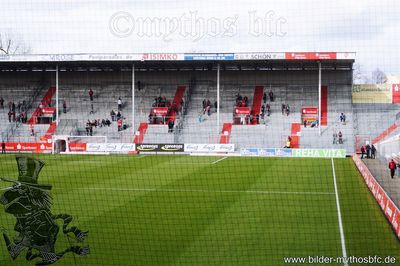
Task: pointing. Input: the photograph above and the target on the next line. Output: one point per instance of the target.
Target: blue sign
(221, 56)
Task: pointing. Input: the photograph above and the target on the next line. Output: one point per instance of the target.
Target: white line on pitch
(219, 160)
(339, 215)
(210, 191)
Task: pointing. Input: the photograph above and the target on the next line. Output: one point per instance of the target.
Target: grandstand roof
(181, 61)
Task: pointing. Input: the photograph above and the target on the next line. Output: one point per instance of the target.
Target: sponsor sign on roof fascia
(178, 57)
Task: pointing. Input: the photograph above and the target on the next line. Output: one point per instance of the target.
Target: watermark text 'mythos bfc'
(194, 27)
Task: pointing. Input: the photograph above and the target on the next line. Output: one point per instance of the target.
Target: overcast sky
(370, 28)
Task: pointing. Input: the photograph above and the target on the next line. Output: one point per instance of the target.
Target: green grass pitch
(187, 210)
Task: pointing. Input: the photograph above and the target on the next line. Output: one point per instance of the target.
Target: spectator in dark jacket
(91, 94)
(271, 96)
(373, 151)
(368, 149)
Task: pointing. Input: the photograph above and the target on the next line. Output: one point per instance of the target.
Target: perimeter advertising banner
(110, 147)
(34, 147)
(389, 209)
(209, 148)
(160, 147)
(304, 153)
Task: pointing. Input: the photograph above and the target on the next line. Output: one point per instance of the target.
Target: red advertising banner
(48, 110)
(309, 110)
(160, 111)
(37, 147)
(77, 146)
(242, 110)
(395, 93)
(390, 210)
(28, 147)
(310, 56)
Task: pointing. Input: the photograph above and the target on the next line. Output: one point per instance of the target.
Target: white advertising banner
(110, 147)
(209, 148)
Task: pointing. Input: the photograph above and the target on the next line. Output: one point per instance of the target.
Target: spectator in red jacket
(119, 123)
(392, 168)
(362, 152)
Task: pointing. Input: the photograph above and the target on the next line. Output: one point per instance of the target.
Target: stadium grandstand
(198, 159)
(157, 89)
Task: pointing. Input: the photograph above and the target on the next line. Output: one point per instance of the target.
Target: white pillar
(133, 100)
(218, 68)
(57, 95)
(319, 98)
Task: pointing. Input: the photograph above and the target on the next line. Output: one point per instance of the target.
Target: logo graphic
(36, 226)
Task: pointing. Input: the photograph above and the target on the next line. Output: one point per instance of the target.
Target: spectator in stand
(305, 123)
(271, 96)
(245, 100)
(392, 168)
(258, 119)
(119, 115)
(19, 106)
(283, 108)
(264, 97)
(171, 126)
(22, 117)
(1, 103)
(287, 110)
(87, 128)
(119, 123)
(362, 152)
(91, 95)
(9, 116)
(368, 149)
(342, 118)
(216, 106)
(340, 136)
(288, 143)
(268, 109)
(32, 129)
(119, 104)
(3, 147)
(150, 118)
(64, 107)
(262, 111)
(108, 122)
(335, 137)
(238, 98)
(112, 114)
(13, 115)
(314, 123)
(13, 107)
(208, 110)
(91, 108)
(373, 151)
